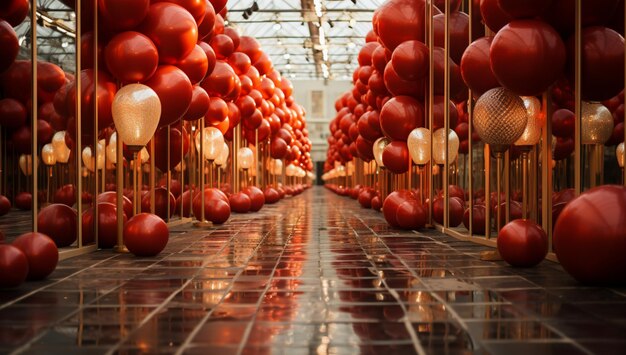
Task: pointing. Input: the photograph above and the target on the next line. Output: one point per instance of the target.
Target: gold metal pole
(168, 182)
(34, 113)
(78, 120)
(446, 116)
(577, 98)
(431, 91)
(94, 204)
(152, 177)
(119, 171)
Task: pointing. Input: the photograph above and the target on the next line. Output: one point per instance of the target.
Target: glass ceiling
(304, 38)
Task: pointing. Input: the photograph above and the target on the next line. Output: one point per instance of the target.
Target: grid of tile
(312, 274)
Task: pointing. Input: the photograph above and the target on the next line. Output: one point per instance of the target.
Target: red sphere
(478, 219)
(523, 8)
(107, 225)
(590, 236)
(527, 56)
(5, 205)
(195, 65)
(13, 266)
(24, 201)
(410, 60)
(216, 208)
(397, 21)
(376, 203)
(493, 16)
(602, 66)
(563, 148)
(145, 235)
(174, 90)
(458, 32)
(111, 197)
(12, 113)
(222, 45)
(365, 197)
(160, 203)
(14, 11)
(411, 215)
(172, 29)
(197, 8)
(185, 199)
(391, 204)
(396, 157)
(240, 202)
(257, 198)
(9, 44)
(120, 15)
(131, 57)
(271, 195)
(222, 80)
(41, 252)
(400, 116)
(522, 243)
(278, 148)
(455, 208)
(199, 105)
(476, 67)
(563, 121)
(58, 221)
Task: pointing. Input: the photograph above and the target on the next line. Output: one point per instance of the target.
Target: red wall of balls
(59, 151)
(532, 162)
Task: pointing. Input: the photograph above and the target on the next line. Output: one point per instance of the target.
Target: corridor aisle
(312, 274)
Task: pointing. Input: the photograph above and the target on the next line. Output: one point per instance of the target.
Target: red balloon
(13, 266)
(179, 146)
(197, 8)
(365, 54)
(5, 206)
(218, 111)
(411, 215)
(199, 104)
(221, 81)
(563, 148)
(24, 201)
(400, 116)
(456, 211)
(397, 21)
(250, 47)
(458, 32)
(590, 236)
(529, 68)
(185, 199)
(240, 62)
(172, 29)
(219, 5)
(493, 16)
(391, 204)
(278, 148)
(518, 9)
(396, 157)
(111, 197)
(376, 203)
(104, 94)
(41, 252)
(439, 114)
(206, 26)
(121, 15)
(211, 57)
(478, 219)
(380, 58)
(410, 60)
(602, 66)
(522, 243)
(257, 198)
(271, 195)
(145, 235)
(263, 64)
(399, 86)
(195, 65)
(9, 44)
(66, 195)
(14, 11)
(240, 202)
(563, 123)
(12, 114)
(174, 90)
(58, 221)
(476, 67)
(222, 45)
(107, 225)
(160, 202)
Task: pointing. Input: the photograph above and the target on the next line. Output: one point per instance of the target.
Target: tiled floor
(313, 274)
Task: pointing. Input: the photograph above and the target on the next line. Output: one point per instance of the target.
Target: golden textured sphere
(500, 118)
(596, 123)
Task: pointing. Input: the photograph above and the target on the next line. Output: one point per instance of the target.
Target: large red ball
(41, 252)
(5, 205)
(563, 122)
(107, 225)
(9, 44)
(111, 197)
(184, 202)
(222, 80)
(493, 16)
(174, 90)
(240, 202)
(590, 236)
(458, 33)
(397, 21)
(257, 198)
(13, 266)
(160, 203)
(518, 9)
(478, 219)
(522, 243)
(391, 204)
(131, 57)
(12, 113)
(271, 195)
(411, 215)
(199, 105)
(396, 157)
(400, 116)
(410, 60)
(120, 15)
(24, 201)
(145, 235)
(602, 66)
(476, 67)
(172, 29)
(58, 221)
(14, 11)
(455, 208)
(527, 56)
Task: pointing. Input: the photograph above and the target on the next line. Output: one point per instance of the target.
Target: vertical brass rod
(119, 172)
(78, 119)
(507, 186)
(431, 91)
(94, 204)
(152, 176)
(525, 185)
(34, 87)
(487, 159)
(168, 182)
(201, 166)
(446, 116)
(577, 98)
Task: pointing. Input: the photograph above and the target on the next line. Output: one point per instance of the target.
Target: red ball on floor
(146, 234)
(41, 252)
(58, 221)
(240, 202)
(13, 266)
(107, 225)
(522, 243)
(257, 197)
